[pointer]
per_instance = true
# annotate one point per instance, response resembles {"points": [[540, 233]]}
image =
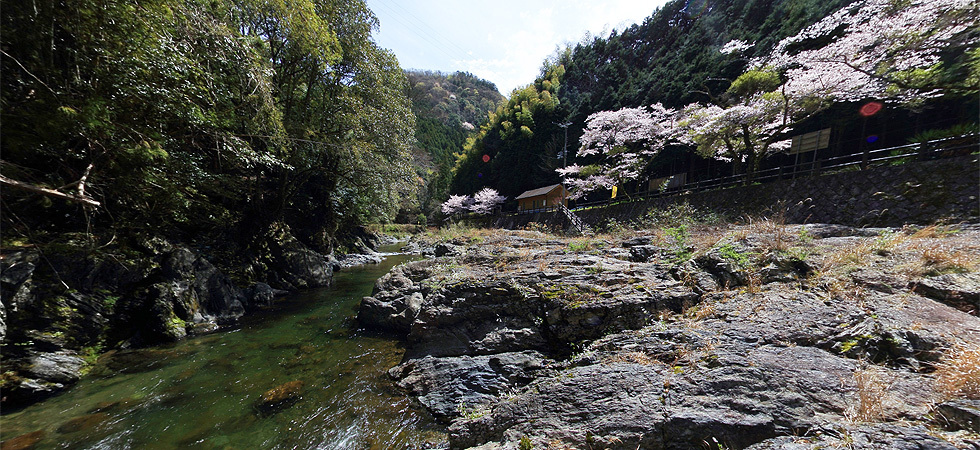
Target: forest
{"points": [[219, 122], [719, 88], [201, 121]]}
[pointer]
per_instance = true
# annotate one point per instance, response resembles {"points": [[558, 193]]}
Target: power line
{"points": [[435, 32], [434, 38]]}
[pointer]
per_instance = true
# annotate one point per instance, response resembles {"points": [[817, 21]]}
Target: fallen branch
{"points": [[51, 192]]}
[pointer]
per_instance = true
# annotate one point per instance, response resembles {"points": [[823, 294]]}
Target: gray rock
{"points": [[451, 387], [595, 318], [16, 270], [360, 259], [871, 437], [446, 249], [397, 298], [960, 415], [643, 253], [691, 275], [261, 295], [217, 297], [476, 318], [828, 230], [296, 266], [637, 241], [640, 354], [754, 397], [60, 367], [726, 273], [960, 290]]}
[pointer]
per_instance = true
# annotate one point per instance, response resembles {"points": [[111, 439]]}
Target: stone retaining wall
{"points": [[916, 192]]}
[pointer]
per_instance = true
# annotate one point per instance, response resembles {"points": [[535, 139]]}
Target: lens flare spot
{"points": [[871, 108]]}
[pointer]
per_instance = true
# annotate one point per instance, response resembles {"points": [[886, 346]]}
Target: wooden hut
{"points": [[542, 198]]}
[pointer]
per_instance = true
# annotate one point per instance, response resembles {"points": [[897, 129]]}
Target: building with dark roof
{"points": [[542, 198]]}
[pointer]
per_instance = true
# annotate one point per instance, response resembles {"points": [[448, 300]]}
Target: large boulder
{"points": [[397, 298]]}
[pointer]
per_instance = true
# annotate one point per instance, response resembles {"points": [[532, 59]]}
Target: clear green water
{"points": [[201, 392]]}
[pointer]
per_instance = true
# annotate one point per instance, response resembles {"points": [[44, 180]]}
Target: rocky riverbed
{"points": [[762, 336], [66, 302]]}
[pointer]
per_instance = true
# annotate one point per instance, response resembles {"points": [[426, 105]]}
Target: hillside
{"points": [[454, 99], [671, 95], [673, 57], [447, 108]]}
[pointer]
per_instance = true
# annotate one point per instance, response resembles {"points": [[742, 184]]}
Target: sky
{"points": [[502, 41]]}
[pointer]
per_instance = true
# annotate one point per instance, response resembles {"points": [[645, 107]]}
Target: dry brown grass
{"points": [[932, 231], [871, 390], [633, 358], [700, 312], [940, 258], [850, 256], [958, 374], [777, 237]]}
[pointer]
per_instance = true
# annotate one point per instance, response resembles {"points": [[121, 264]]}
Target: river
{"points": [[201, 392]]}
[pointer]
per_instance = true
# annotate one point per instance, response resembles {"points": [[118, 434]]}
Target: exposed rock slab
{"points": [[623, 344]]}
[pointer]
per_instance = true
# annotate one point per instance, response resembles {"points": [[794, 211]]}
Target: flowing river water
{"points": [[202, 392]]}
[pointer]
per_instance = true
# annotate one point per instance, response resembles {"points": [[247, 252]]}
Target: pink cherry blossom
{"points": [[874, 43], [627, 139], [486, 200], [456, 204]]}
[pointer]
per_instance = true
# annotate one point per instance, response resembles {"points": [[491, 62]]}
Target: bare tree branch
{"points": [[51, 192]]}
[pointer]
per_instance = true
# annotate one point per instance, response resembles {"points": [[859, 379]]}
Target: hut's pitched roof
{"points": [[538, 191]]}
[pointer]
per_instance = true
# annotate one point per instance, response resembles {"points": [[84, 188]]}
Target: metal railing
{"points": [[937, 149], [577, 222]]}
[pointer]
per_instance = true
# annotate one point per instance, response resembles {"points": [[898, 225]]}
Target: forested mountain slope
{"points": [[673, 56], [447, 107], [721, 63]]}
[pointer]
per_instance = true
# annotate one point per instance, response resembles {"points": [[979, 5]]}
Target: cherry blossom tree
{"points": [[486, 200], [885, 49], [751, 121], [456, 204], [735, 46], [894, 50], [627, 139]]}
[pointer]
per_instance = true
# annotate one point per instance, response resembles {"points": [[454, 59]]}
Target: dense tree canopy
{"points": [[193, 116], [518, 148], [909, 53]]}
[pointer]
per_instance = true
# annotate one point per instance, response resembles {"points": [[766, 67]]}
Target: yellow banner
{"points": [[614, 191]]}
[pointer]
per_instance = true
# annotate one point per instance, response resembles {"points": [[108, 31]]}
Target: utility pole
{"points": [[564, 150]]}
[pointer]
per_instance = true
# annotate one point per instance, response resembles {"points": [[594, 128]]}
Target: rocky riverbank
{"points": [[67, 302], [762, 336]]}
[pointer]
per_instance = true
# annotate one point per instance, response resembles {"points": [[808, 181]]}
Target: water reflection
{"points": [[206, 392]]}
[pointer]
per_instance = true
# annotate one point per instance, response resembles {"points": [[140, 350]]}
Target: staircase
{"points": [[576, 221]]}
